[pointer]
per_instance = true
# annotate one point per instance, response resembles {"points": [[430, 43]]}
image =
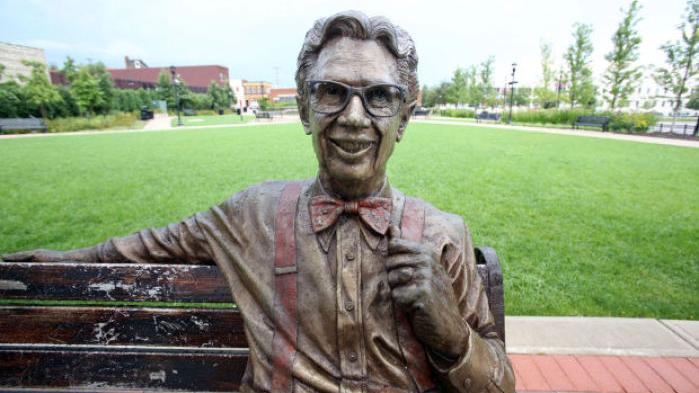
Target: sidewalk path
{"points": [[620, 355], [160, 121], [563, 131], [169, 129]]}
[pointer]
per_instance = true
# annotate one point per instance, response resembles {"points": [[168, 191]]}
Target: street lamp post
{"points": [[175, 81], [512, 91]]}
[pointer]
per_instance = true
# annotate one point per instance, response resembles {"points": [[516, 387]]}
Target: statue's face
{"points": [[353, 146]]}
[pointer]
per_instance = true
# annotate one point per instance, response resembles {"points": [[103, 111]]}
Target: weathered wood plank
{"points": [[121, 282], [100, 370], [121, 326]]}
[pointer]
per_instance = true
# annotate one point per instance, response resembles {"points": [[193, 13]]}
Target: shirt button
{"points": [[349, 306], [349, 256], [467, 383], [352, 356]]}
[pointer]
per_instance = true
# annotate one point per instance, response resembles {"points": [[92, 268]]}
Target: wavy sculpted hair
{"points": [[355, 24]]}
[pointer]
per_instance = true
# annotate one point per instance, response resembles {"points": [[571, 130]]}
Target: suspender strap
{"points": [[412, 224], [285, 291]]}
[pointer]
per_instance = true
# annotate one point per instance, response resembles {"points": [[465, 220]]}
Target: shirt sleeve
{"points": [[178, 242], [484, 366]]}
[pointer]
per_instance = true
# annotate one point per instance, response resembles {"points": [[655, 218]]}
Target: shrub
{"points": [[117, 120], [631, 122], [461, 113], [625, 122]]}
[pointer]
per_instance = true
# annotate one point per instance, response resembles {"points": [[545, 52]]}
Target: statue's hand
{"points": [[423, 289], [41, 256]]}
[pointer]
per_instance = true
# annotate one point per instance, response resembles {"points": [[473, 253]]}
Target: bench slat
{"points": [[122, 326], [120, 282], [119, 370]]}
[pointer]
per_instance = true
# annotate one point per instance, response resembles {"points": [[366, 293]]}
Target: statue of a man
{"points": [[344, 283]]}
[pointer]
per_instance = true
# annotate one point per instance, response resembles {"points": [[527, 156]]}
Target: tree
{"points": [[163, 88], [86, 90], [69, 69], [522, 96], [39, 92], [681, 57], [474, 94], [693, 102], [581, 90], [622, 76], [457, 92], [221, 97], [485, 82], [544, 94]]}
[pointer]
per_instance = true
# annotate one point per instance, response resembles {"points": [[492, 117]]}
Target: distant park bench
{"points": [[495, 117], [126, 346], [421, 112], [592, 121], [263, 115], [28, 124]]}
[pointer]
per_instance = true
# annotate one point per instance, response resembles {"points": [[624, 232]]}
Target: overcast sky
{"points": [[259, 40]]}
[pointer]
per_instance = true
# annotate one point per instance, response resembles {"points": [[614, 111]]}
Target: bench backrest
{"points": [[125, 333], [592, 119], [22, 124]]}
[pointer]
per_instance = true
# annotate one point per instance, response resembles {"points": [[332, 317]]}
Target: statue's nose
{"points": [[354, 114]]}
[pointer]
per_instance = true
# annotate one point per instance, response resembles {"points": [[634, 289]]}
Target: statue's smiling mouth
{"points": [[354, 147]]}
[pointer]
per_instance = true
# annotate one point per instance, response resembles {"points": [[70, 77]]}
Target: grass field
{"points": [[584, 226], [215, 120]]}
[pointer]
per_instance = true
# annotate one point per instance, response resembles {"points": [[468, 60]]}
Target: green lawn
{"points": [[215, 120], [583, 226]]}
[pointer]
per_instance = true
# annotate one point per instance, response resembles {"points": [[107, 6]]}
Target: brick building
{"points": [[138, 75], [283, 94]]}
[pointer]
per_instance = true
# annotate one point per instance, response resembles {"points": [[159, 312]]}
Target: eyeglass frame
{"points": [[359, 91]]}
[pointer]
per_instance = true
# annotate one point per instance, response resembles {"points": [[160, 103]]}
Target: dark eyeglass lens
{"points": [[383, 100], [327, 96]]}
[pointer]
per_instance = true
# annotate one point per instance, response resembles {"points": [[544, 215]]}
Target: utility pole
{"points": [[276, 76], [512, 91]]}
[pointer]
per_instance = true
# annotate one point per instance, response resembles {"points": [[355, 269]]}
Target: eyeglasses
{"points": [[380, 100]]}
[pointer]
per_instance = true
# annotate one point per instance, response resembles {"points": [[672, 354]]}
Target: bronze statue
{"points": [[345, 284]]}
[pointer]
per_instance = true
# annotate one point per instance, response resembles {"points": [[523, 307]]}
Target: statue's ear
{"points": [[303, 114], [405, 114]]}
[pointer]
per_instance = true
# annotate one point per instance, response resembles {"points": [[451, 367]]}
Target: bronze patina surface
{"points": [[344, 283]]}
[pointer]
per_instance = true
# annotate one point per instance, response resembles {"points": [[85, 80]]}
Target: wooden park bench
{"points": [[263, 115], [116, 339], [421, 112], [495, 117], [592, 121], [26, 124]]}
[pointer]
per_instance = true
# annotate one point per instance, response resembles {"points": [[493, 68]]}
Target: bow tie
{"points": [[374, 212]]}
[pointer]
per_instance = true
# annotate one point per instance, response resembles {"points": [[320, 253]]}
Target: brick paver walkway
{"points": [[616, 374]]}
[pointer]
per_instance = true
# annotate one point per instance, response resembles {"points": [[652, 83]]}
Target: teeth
{"points": [[353, 147]]}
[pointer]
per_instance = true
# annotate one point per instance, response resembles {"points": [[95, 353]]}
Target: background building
{"points": [[11, 57], [138, 75], [255, 90], [283, 94]]}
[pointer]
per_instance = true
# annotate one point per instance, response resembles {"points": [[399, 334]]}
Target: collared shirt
{"points": [[347, 339]]}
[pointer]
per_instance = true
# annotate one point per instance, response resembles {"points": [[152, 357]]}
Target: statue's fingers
{"points": [[400, 276], [405, 295], [397, 261], [402, 246]]}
